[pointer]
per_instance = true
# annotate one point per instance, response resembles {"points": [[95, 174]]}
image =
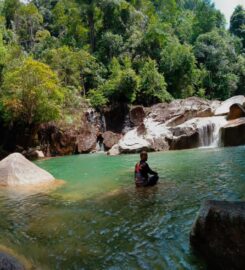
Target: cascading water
{"points": [[209, 131]]}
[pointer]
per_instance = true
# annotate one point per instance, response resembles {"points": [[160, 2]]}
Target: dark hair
{"points": [[143, 153]]}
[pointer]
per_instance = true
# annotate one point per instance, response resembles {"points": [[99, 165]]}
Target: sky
{"points": [[227, 6]]}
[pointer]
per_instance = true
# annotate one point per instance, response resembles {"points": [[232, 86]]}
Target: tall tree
{"points": [[237, 23]]}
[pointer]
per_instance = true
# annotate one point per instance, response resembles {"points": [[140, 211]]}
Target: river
{"points": [[99, 220]]}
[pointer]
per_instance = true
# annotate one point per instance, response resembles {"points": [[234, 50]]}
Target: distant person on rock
{"points": [[142, 171]]}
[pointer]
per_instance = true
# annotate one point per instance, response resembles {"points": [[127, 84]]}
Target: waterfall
{"points": [[206, 135], [209, 131], [100, 147]]}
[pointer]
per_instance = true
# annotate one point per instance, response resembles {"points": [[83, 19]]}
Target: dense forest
{"points": [[54, 54]]}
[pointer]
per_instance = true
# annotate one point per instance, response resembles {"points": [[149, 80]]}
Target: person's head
{"points": [[143, 156]]}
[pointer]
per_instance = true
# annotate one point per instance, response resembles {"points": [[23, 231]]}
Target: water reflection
{"points": [[99, 220]]}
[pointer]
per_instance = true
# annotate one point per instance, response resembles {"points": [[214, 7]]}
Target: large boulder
{"points": [[17, 170], [181, 110], [110, 138], [233, 133], [218, 234], [236, 111], [224, 108]]}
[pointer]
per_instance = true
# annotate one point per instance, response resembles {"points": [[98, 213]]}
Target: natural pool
{"points": [[98, 220]]}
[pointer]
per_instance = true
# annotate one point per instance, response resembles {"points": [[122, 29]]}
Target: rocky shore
{"points": [[181, 124]]}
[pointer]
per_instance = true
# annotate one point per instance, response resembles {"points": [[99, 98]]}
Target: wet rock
{"points": [[110, 138], [114, 151], [186, 141], [236, 111], [233, 133], [85, 141], [116, 117], [17, 170], [8, 262], [137, 115], [224, 108], [64, 139], [218, 234]]}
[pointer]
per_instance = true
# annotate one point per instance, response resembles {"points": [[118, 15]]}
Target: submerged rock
{"points": [[224, 108], [233, 133], [17, 170], [218, 234]]}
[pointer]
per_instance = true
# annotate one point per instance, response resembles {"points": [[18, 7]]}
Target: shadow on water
{"points": [[101, 221]]}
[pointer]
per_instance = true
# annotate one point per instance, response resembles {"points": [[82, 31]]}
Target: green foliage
{"points": [[31, 94], [152, 85], [237, 23], [178, 63], [97, 99], [134, 51], [123, 83], [216, 51]]}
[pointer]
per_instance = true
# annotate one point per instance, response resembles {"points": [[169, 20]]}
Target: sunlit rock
{"points": [[218, 234], [17, 170], [114, 151], [225, 106]]}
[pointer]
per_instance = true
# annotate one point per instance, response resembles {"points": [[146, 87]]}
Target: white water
{"points": [[210, 133]]}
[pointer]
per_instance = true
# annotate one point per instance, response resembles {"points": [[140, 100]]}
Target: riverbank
{"points": [[181, 124]]}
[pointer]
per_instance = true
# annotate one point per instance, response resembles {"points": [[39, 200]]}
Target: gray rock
{"points": [[17, 170], [218, 234]]}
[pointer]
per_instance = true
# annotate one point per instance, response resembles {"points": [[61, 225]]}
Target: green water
{"points": [[99, 220]]}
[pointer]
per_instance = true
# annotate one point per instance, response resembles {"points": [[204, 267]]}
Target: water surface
{"points": [[99, 220]]}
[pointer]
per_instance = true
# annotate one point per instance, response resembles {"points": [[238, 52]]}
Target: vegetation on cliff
{"points": [[53, 53]]}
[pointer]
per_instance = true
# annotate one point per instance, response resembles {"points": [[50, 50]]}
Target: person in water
{"points": [[142, 171]]}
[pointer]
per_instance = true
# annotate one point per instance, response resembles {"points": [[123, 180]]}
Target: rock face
{"points": [[233, 133], [225, 106], [110, 139], [236, 111], [17, 170], [218, 234], [137, 115], [8, 262], [77, 138]]}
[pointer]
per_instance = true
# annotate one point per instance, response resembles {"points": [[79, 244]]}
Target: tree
{"points": [[27, 21], [152, 85], [216, 51], [178, 63], [237, 23], [123, 83], [9, 9], [31, 94], [76, 69]]}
